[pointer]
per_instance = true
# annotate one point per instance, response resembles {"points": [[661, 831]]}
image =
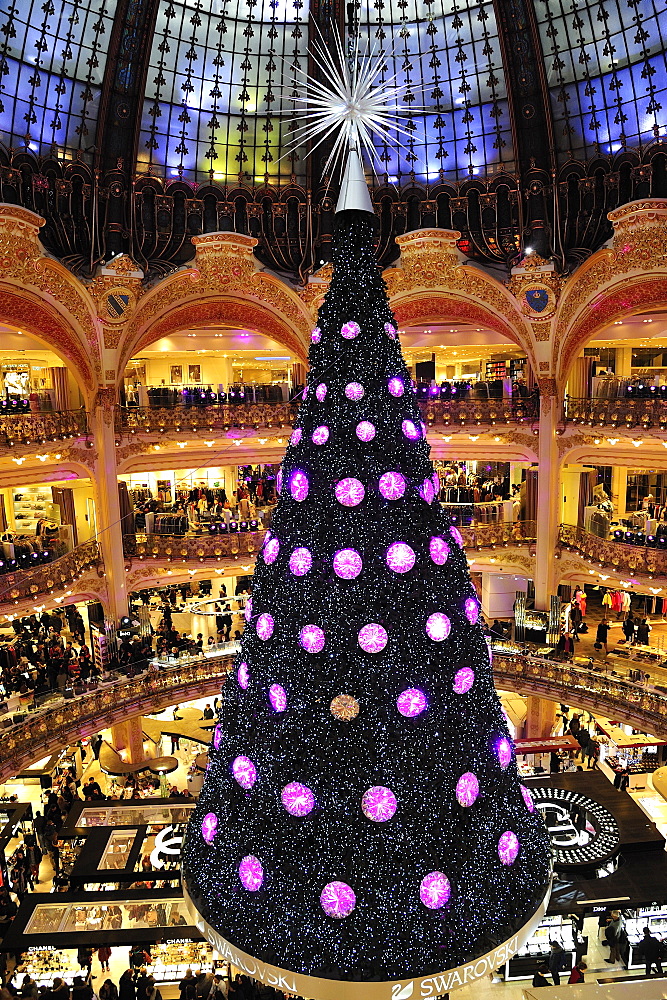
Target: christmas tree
{"points": [[362, 815]]}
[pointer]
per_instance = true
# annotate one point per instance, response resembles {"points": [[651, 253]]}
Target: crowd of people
{"points": [[38, 658]]}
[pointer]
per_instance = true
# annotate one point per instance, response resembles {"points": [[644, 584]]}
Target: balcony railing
{"points": [[641, 413], [479, 536], [188, 549], [479, 412], [56, 575], [18, 429], [616, 555]]}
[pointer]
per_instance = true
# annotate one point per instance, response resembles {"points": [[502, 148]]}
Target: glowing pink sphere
{"points": [[365, 431], [247, 612], [410, 430], [504, 751], [350, 492], [245, 772], [300, 562], [243, 676], [350, 330], [438, 626], [372, 638], [312, 638], [337, 900], [471, 609], [316, 335], [463, 680], [271, 550], [456, 535], [354, 391], [295, 436], [435, 890], [392, 485], [467, 789], [279, 481], [508, 848], [379, 804], [264, 626], [426, 491], [278, 698], [320, 435], [321, 391], [347, 564], [298, 485], [411, 702], [400, 557], [251, 873], [439, 550], [527, 798], [217, 737], [297, 799], [396, 387], [390, 330], [209, 827]]}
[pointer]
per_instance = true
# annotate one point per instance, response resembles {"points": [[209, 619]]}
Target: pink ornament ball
{"points": [[279, 481], [378, 804], [312, 638], [300, 562], [396, 387], [320, 435], [400, 557], [347, 564], [350, 492], [392, 485], [439, 550], [350, 330], [504, 751], [251, 873], [365, 431], [247, 611], [410, 430], [471, 609], [456, 535], [463, 680], [264, 627], [372, 638], [209, 827], [411, 703], [243, 676], [295, 436], [438, 626], [467, 789], [527, 798], [337, 900], [217, 737], [298, 485], [354, 391], [508, 848], [390, 330], [271, 550], [426, 491], [278, 698], [435, 890], [316, 335], [244, 772], [297, 799], [321, 391]]}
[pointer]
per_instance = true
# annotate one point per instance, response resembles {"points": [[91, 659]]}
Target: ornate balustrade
{"points": [[56, 575], [20, 429], [643, 413], [617, 555], [54, 728], [479, 536], [478, 412], [189, 549]]}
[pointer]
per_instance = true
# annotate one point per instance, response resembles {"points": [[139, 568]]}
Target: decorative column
{"points": [[129, 736], [619, 489], [540, 717], [548, 496]]}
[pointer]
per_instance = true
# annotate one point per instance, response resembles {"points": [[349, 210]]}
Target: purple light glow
{"points": [[297, 799], [296, 436], [350, 492], [438, 626], [278, 698], [271, 550], [264, 626], [439, 550], [298, 485], [392, 485], [426, 491], [372, 638], [527, 798], [411, 702], [508, 848], [410, 430], [217, 737], [321, 391], [247, 612], [504, 751], [354, 391], [337, 900], [312, 638], [396, 387], [435, 479], [347, 564], [320, 435], [279, 481], [435, 890], [243, 676], [365, 431], [463, 680], [467, 789], [209, 827], [471, 609], [316, 335], [300, 562], [251, 873], [350, 330], [379, 804], [400, 557], [456, 535], [244, 772], [390, 330]]}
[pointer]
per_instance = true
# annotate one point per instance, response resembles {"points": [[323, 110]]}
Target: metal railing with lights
{"points": [[174, 548], [482, 536], [53, 576], [20, 429], [631, 413], [617, 554]]}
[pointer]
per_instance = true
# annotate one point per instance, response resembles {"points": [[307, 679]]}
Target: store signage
{"points": [[127, 627], [166, 844], [582, 831]]}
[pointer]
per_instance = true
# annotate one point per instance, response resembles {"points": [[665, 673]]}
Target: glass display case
{"points": [[119, 814], [556, 927], [68, 918], [171, 959], [43, 964], [653, 917]]}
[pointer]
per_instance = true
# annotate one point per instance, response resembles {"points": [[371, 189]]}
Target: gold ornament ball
{"points": [[344, 706]]}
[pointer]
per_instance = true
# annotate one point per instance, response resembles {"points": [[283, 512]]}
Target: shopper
{"points": [[577, 974], [104, 954], [643, 630], [649, 949], [81, 989], [540, 977], [592, 754], [629, 627], [625, 780], [126, 987], [59, 989], [188, 986], [208, 713], [108, 990], [557, 961], [614, 934], [601, 635]]}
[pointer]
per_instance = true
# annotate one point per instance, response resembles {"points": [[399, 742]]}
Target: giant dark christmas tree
{"points": [[362, 816]]}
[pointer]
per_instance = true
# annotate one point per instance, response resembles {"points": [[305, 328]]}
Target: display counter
{"points": [[653, 917], [536, 949], [130, 813]]}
